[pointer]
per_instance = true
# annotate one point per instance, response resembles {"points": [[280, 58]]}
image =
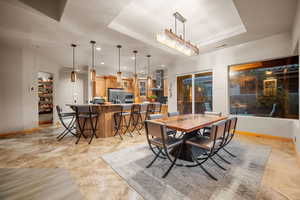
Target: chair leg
{"points": [[173, 163], [127, 124], [81, 129], [220, 166], [61, 135], [231, 154], [208, 173], [93, 130], [223, 159], [157, 155]]}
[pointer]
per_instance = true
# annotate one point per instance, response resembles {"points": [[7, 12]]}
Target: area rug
{"points": [[36, 184], [241, 180]]}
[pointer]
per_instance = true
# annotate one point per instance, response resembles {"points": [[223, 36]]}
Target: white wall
{"points": [[218, 61], [10, 89], [19, 72], [296, 48]]}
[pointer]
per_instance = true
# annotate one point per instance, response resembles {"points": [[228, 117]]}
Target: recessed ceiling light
{"points": [[162, 65], [132, 58], [98, 48], [102, 63]]}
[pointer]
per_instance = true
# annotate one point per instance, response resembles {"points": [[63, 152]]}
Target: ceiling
{"points": [[134, 24]]}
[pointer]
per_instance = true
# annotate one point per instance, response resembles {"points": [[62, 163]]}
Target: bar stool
{"points": [[156, 108], [68, 126], [86, 113], [134, 119], [121, 121]]}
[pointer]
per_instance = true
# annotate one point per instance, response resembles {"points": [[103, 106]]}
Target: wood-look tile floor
{"points": [[96, 180]]}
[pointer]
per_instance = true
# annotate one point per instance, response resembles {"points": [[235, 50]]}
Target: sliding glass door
{"points": [[194, 93], [203, 92], [184, 94]]}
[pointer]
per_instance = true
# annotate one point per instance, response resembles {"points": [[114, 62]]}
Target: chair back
{"points": [[155, 116], [157, 107], [83, 109], [126, 107], [156, 129], [213, 113], [218, 132], [144, 107], [232, 125], [136, 108], [172, 114], [59, 110]]}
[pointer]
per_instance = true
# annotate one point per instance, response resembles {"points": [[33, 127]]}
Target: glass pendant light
{"points": [[93, 70], [119, 73], [73, 73], [149, 79], [135, 78]]}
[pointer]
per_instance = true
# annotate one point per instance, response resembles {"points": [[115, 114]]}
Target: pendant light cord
{"points": [[135, 52], [119, 59], [73, 57], [148, 64]]}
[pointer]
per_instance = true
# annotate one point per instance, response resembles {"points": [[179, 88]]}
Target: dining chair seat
{"points": [[169, 142], [202, 142]]}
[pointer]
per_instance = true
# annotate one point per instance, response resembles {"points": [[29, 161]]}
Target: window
{"points": [[203, 92], [194, 93], [267, 88], [184, 94]]}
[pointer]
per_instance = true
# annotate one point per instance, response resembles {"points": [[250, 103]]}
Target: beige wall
{"points": [[19, 70]]}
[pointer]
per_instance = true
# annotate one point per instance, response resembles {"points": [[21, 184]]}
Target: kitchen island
{"points": [[105, 126]]}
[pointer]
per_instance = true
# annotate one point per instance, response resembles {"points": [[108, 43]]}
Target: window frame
{"points": [[254, 61]]}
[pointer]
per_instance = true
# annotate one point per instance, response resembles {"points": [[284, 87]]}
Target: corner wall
{"points": [[218, 61]]}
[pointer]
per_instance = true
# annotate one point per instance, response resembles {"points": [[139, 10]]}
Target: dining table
{"points": [[189, 125]]}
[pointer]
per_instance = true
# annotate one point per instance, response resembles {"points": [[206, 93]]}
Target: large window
{"points": [[194, 93], [267, 88]]}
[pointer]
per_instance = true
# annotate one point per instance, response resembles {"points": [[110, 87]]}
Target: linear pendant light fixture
{"points": [[93, 70], [178, 42], [73, 73], [119, 73]]}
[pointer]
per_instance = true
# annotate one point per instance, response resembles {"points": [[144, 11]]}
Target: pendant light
{"points": [[93, 70], [149, 79], [135, 78], [73, 73], [119, 73]]}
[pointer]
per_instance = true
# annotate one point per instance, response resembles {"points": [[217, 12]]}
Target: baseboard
{"points": [[264, 136], [27, 131], [296, 153]]}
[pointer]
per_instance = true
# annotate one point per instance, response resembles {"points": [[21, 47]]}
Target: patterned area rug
{"points": [[36, 184], [241, 180]]}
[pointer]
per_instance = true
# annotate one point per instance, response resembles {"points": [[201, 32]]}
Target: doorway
{"points": [[194, 92], [45, 93]]}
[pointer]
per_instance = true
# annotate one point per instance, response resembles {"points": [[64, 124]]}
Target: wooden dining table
{"points": [[188, 124]]}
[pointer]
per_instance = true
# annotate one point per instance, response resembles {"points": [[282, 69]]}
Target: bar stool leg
{"points": [[81, 129]]}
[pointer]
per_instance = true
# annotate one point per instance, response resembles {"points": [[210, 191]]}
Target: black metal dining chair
{"points": [[231, 132], [86, 113], [121, 121], [208, 147], [206, 130], [68, 126], [158, 138]]}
